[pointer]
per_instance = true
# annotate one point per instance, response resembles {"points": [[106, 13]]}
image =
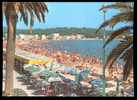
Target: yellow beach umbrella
{"points": [[40, 61]]}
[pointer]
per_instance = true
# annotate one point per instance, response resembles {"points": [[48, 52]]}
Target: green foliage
{"points": [[124, 50], [87, 32]]}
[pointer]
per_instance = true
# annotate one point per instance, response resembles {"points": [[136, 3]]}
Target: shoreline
{"points": [[68, 59], [82, 39]]}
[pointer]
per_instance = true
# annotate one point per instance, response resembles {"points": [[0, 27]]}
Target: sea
{"points": [[83, 47]]}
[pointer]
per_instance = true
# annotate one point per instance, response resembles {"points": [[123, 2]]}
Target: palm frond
{"points": [[44, 7], [117, 33], [117, 6], [31, 20], [33, 8], [36, 10], [122, 17], [23, 12], [128, 58], [29, 9], [116, 53]]}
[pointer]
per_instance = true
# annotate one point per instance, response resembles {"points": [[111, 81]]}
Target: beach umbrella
{"points": [[82, 75], [47, 74], [70, 70], [32, 68], [98, 85]]}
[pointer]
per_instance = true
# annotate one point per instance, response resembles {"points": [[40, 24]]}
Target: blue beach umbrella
{"points": [[70, 70], [82, 75]]}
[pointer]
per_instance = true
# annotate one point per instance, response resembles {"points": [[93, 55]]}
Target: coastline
{"points": [[82, 39]]}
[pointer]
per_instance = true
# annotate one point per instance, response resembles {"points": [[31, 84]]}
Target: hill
{"points": [[62, 30]]}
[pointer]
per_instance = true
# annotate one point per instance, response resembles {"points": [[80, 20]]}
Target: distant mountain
{"points": [[88, 32], [62, 30]]}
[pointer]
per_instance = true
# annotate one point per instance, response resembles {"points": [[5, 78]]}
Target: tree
{"points": [[11, 11], [124, 50]]}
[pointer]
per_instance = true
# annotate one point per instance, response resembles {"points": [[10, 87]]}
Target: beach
{"points": [[73, 60]]}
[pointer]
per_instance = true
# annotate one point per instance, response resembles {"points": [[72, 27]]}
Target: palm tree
{"points": [[11, 11], [124, 50]]}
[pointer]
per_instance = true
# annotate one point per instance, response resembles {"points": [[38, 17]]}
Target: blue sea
{"points": [[83, 47]]}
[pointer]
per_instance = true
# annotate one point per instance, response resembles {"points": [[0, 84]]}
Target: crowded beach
{"points": [[73, 60]]}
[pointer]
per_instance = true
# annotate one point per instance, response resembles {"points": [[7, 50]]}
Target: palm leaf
{"points": [[24, 8], [128, 58], [128, 39], [37, 12], [122, 17], [44, 7], [117, 33], [116, 53], [29, 8], [33, 8], [24, 14], [32, 20], [25, 18], [41, 9], [117, 6]]}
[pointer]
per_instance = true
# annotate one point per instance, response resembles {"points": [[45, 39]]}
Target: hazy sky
{"points": [[71, 14]]}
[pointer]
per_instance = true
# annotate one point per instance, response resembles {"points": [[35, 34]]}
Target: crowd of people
{"points": [[69, 59]]}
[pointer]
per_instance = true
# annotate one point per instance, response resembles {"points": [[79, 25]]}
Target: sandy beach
{"points": [[72, 60]]}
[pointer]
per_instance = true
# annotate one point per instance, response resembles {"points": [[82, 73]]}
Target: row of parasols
{"points": [[56, 74]]}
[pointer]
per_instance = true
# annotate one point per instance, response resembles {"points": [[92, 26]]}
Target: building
{"points": [[26, 36], [79, 36], [37, 37], [43, 37], [56, 36]]}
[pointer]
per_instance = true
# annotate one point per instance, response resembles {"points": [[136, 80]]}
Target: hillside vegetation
{"points": [[87, 32]]}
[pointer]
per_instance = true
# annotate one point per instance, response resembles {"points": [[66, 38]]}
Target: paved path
{"points": [[18, 84]]}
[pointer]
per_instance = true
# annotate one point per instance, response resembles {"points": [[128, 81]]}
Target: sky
{"points": [[71, 14]]}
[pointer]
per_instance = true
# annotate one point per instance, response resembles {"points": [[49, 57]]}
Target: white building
{"points": [[37, 37], [43, 37], [26, 36], [79, 36], [56, 36]]}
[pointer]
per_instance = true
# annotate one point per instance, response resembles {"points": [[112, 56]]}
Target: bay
{"points": [[83, 47]]}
